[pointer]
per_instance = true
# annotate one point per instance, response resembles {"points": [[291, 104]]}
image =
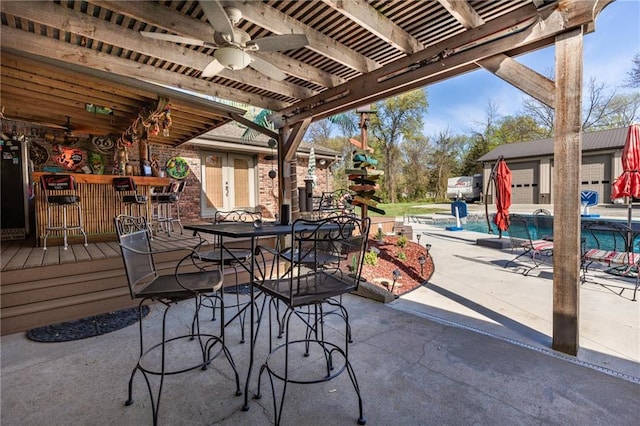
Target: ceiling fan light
{"points": [[232, 58]]}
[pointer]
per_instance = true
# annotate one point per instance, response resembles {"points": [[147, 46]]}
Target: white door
{"points": [[228, 182]]}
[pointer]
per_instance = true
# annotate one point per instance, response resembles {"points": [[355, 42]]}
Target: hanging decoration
{"points": [[177, 168], [272, 144]]}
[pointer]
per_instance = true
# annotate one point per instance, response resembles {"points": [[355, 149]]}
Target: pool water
{"points": [[607, 241]]}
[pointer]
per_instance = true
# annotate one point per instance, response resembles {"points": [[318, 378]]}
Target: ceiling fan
{"points": [[232, 45]]}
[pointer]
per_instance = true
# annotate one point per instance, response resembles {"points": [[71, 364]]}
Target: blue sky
{"points": [[460, 104]]}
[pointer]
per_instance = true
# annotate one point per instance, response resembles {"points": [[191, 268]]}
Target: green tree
{"points": [[415, 179], [496, 131], [443, 153], [395, 119]]}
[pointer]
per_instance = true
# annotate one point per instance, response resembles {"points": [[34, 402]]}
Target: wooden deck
{"points": [[23, 254], [39, 287]]}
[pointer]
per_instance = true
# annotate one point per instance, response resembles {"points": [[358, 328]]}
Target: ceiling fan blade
{"points": [[267, 68], [174, 38], [213, 68], [217, 16], [279, 42]]}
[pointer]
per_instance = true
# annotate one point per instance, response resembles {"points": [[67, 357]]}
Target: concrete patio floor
{"points": [[471, 346]]}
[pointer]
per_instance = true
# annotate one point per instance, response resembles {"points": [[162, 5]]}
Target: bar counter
{"points": [[99, 203]]}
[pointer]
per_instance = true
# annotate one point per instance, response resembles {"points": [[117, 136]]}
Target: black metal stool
{"points": [[60, 191], [163, 204], [127, 192]]}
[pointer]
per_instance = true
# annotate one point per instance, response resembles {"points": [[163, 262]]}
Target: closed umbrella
{"points": [[628, 183], [503, 195], [311, 170]]}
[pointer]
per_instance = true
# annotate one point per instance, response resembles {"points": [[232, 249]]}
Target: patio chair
{"points": [[335, 201], [520, 235], [236, 258], [610, 244], [326, 262], [543, 225], [146, 284]]}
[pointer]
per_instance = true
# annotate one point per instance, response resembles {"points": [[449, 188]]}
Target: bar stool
{"points": [[163, 205], [60, 191], [127, 193]]}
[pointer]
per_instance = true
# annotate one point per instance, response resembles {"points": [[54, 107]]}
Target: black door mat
{"points": [[86, 327]]}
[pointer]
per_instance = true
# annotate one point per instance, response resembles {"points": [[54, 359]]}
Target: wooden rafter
{"points": [[367, 17], [262, 14], [463, 12]]}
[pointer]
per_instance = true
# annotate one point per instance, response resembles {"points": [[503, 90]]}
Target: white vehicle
{"points": [[468, 188]]}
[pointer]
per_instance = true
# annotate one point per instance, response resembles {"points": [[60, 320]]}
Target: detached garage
{"points": [[531, 165], [524, 182]]}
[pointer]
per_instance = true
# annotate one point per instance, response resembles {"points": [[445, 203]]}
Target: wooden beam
{"points": [[524, 78], [55, 16], [23, 41], [265, 16], [529, 81], [567, 155], [295, 137], [433, 64], [258, 128], [373, 21], [463, 12]]}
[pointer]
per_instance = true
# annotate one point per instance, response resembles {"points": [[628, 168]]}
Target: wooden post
{"points": [[567, 156]]}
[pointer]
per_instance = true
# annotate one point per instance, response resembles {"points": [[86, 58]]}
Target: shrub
{"points": [[371, 258], [402, 255], [402, 241]]}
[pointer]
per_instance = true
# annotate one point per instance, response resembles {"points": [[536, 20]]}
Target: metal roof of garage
{"points": [[591, 141]]}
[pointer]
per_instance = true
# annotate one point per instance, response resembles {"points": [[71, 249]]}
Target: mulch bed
{"points": [[390, 259]]}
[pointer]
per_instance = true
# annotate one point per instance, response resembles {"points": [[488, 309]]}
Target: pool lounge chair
{"points": [[539, 250], [610, 244]]}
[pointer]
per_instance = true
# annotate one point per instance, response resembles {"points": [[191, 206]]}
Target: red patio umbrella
{"points": [[503, 195], [628, 184]]}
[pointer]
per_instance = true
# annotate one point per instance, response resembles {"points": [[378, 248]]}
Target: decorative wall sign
{"points": [[69, 158], [96, 162], [177, 168], [38, 153], [103, 144]]}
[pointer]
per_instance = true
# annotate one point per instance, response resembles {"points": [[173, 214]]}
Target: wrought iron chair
{"points": [[339, 200], [146, 284], [236, 258], [326, 262], [60, 192], [520, 235]]}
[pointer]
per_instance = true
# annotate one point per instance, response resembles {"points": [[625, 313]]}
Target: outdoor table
{"points": [[244, 230]]}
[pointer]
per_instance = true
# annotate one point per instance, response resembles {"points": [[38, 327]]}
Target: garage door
{"points": [[596, 175], [524, 183]]}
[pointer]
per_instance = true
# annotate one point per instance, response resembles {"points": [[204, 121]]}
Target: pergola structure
{"points": [[358, 52]]}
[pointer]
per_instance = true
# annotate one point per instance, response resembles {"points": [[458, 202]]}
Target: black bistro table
{"points": [[253, 232]]}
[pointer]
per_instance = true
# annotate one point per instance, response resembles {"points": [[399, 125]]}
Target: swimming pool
{"points": [[541, 227]]}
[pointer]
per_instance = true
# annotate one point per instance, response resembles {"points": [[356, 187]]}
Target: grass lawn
{"points": [[402, 209]]}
